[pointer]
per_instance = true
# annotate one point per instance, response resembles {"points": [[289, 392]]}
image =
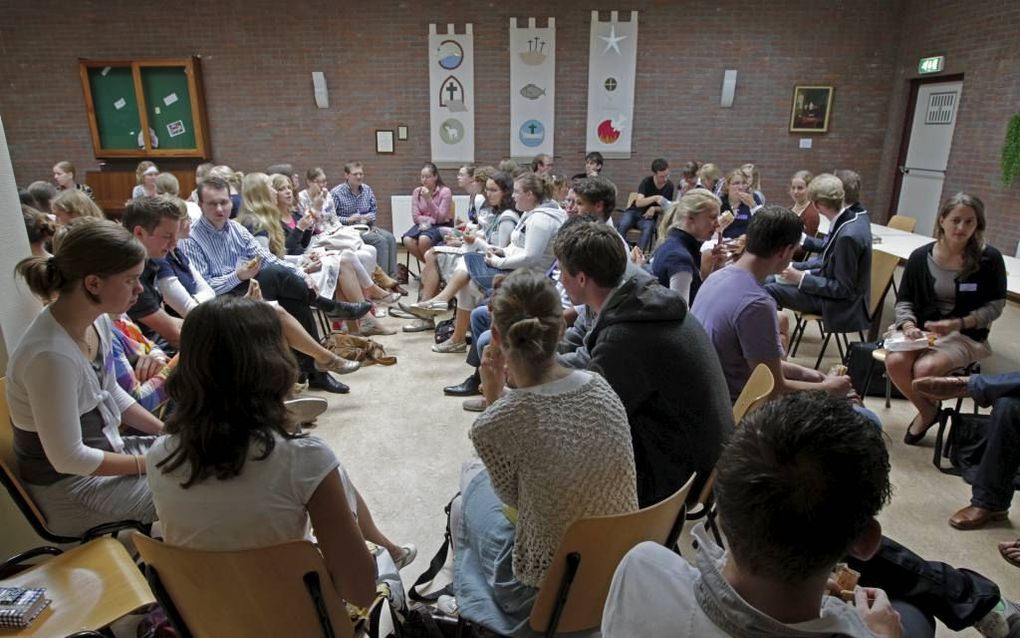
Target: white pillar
{"points": [[17, 309]]}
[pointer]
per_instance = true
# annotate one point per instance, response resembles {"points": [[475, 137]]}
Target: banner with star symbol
{"points": [[612, 68]]}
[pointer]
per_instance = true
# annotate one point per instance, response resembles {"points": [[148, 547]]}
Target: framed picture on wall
{"points": [[384, 141], [402, 132], [812, 106]]}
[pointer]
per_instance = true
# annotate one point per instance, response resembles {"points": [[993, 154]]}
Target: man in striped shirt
{"points": [[227, 256]]}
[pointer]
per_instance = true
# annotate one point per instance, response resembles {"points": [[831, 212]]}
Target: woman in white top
{"points": [[66, 405], [233, 474]]}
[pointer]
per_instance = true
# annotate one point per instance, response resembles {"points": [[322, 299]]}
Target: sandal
{"points": [[913, 439], [1006, 548]]}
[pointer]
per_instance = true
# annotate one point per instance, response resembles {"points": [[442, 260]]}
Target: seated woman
{"points": [[738, 200], [145, 179], [710, 178], [554, 449], [469, 184], [183, 288], [954, 287], [141, 367], [430, 210], [66, 406], [753, 177], [72, 204], [804, 207], [66, 178], [231, 473], [40, 230], [496, 221], [679, 263], [316, 198]]}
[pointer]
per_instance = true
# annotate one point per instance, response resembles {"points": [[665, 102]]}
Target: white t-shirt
{"points": [[264, 505]]}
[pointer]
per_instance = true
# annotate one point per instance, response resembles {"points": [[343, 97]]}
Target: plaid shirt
{"points": [[348, 204]]}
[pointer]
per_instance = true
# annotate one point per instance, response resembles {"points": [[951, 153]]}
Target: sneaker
{"points": [[338, 365], [407, 556], [428, 308], [449, 347], [475, 405], [370, 327], [420, 325]]}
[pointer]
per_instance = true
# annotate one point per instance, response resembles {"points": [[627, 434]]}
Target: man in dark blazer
{"points": [[836, 284]]}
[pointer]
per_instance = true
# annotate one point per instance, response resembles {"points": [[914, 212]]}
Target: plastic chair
{"points": [[280, 590], [91, 586], [24, 501], [756, 392], [575, 587], [883, 266]]}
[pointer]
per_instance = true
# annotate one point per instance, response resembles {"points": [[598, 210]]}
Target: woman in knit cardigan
{"points": [[555, 448]]}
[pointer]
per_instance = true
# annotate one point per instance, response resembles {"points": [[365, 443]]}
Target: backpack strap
{"points": [[436, 564]]}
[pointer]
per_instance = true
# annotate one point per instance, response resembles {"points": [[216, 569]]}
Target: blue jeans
{"points": [[481, 321], [993, 484], [634, 218]]}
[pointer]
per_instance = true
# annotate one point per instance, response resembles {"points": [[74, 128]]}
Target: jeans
{"points": [[283, 285], [481, 321], [385, 245], [957, 597], [634, 218], [993, 485]]}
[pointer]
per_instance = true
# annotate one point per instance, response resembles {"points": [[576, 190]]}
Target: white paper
{"points": [[170, 99], [106, 69], [805, 142], [119, 104], [174, 129], [157, 110]]}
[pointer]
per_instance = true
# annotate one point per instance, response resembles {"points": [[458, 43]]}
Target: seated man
{"points": [[227, 257], [654, 194], [785, 539], [655, 356], [835, 284], [993, 481], [740, 317], [356, 204]]}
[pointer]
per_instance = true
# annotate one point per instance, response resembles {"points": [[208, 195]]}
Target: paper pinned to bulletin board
{"points": [[612, 67], [452, 95], [532, 88]]}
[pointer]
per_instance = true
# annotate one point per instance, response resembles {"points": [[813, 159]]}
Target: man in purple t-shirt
{"points": [[741, 319]]}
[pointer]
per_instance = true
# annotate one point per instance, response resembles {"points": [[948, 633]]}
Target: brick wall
{"points": [[979, 40], [257, 57]]}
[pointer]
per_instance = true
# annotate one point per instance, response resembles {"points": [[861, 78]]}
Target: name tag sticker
{"points": [[968, 287]]}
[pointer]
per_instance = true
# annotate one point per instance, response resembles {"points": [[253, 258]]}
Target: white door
{"points": [[931, 137]]}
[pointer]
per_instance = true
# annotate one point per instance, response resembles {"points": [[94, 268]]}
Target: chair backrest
{"points": [[756, 392], [883, 267], [254, 592], [631, 199], [9, 476], [902, 222], [601, 543]]}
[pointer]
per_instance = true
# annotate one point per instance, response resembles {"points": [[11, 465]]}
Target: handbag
{"points": [[962, 440], [867, 375], [360, 349]]}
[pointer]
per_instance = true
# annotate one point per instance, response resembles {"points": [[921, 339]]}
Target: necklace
{"points": [[89, 345]]}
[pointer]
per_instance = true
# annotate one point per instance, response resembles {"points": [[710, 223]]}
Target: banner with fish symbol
{"points": [[612, 65], [532, 88], [452, 96]]}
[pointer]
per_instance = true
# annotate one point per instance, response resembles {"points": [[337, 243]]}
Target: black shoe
{"points": [[324, 381], [346, 310], [470, 387]]}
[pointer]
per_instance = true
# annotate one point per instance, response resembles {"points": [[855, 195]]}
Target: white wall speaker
{"points": [[319, 87], [729, 85]]}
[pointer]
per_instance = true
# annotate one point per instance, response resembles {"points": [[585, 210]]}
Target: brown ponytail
{"points": [[527, 312]]}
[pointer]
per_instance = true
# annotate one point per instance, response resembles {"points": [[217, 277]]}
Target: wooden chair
{"points": [[280, 590], [907, 225], [575, 587], [883, 266], [91, 586], [23, 500], [756, 392]]}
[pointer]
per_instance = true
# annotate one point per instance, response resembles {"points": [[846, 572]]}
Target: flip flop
{"points": [[1006, 549]]}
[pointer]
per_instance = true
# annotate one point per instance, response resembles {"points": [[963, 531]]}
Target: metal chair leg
{"points": [[825, 345]]}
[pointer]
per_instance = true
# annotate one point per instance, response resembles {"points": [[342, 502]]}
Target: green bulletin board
{"points": [[168, 106], [113, 94]]}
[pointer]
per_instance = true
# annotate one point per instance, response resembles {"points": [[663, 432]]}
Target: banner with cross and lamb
{"points": [[452, 95], [532, 88]]}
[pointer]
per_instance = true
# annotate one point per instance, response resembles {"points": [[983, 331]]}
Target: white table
{"points": [[900, 244]]}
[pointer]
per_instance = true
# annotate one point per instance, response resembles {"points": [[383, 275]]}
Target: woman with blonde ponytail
{"points": [[553, 449], [66, 405]]}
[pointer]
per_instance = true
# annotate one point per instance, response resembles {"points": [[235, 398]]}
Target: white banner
{"points": [[532, 88], [612, 65], [452, 96]]}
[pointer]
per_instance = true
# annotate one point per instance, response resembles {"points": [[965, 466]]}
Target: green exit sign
{"points": [[931, 65]]}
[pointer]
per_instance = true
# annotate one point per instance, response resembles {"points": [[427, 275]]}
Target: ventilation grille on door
{"points": [[941, 108]]}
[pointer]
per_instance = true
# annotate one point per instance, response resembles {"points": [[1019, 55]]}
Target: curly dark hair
{"points": [[799, 482], [228, 389]]}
